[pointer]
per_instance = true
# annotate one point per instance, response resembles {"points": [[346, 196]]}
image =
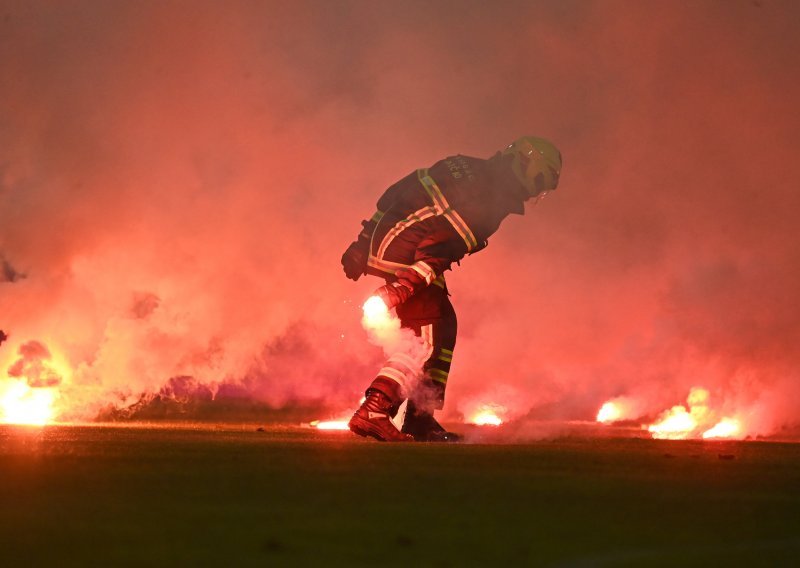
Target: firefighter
{"points": [[424, 223]]}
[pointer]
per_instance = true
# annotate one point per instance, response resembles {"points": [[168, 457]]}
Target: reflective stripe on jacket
{"points": [[433, 217]]}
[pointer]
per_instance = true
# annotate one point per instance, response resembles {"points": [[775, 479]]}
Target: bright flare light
{"points": [[330, 424], [677, 424], [689, 421], [375, 311], [486, 418], [726, 428], [609, 412], [21, 404]]}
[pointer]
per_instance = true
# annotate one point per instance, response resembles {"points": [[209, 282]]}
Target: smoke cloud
{"points": [[179, 179]]}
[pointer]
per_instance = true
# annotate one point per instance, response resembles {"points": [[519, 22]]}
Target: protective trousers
{"points": [[420, 372]]}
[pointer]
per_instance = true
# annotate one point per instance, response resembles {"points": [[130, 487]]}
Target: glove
{"points": [[354, 259], [394, 294]]}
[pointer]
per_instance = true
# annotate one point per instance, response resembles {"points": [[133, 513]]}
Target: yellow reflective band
{"points": [[446, 358], [385, 265], [390, 267], [447, 351], [424, 270], [377, 216], [426, 333], [443, 208], [438, 375], [461, 227], [416, 217], [429, 184]]}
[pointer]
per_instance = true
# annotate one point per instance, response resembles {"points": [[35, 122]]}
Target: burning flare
{"points": [[21, 404], [726, 428], [375, 309], [675, 424], [681, 422], [487, 415], [330, 424], [619, 408], [609, 412], [380, 323], [29, 394], [692, 420], [383, 327], [340, 424], [486, 418]]}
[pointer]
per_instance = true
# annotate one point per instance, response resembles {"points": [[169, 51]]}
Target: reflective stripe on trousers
{"points": [[422, 374]]}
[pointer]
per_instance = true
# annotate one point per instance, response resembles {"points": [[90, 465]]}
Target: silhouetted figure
{"points": [[424, 223]]}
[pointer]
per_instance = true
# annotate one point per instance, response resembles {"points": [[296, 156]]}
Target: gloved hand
{"points": [[394, 294], [354, 259]]}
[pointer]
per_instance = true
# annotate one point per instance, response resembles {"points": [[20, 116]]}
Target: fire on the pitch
{"points": [[698, 418], [31, 389]]}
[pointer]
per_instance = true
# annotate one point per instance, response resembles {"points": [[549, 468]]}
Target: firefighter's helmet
{"points": [[536, 163]]}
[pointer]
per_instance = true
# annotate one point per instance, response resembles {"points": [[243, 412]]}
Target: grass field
{"points": [[234, 496]]}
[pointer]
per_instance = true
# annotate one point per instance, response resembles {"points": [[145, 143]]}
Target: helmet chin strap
{"points": [[537, 198]]}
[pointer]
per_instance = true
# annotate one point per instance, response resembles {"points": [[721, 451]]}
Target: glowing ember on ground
{"points": [[330, 424], [726, 428], [21, 404], [609, 412], [676, 424], [486, 418]]}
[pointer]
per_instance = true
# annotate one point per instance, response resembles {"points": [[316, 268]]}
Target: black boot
{"points": [[424, 428], [374, 419]]}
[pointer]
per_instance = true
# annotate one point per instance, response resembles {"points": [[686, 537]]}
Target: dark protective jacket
{"points": [[434, 216]]}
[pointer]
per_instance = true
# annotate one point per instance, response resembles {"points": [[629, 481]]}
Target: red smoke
{"points": [[178, 182]]}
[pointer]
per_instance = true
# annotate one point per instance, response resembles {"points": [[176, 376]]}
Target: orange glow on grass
{"points": [[725, 428], [21, 404]]}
